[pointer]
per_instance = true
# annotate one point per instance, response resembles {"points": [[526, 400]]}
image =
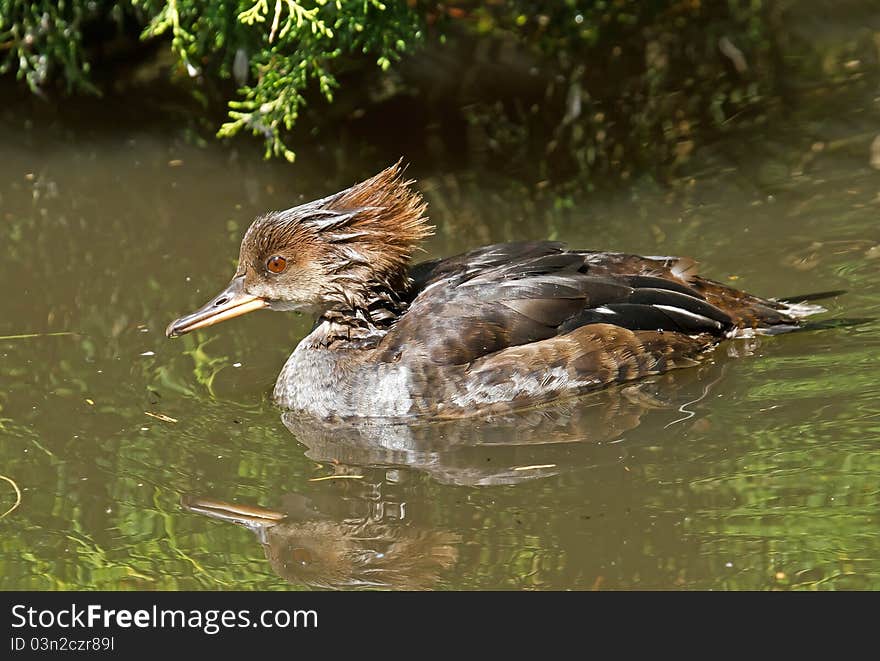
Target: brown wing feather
{"points": [[509, 295], [746, 310]]}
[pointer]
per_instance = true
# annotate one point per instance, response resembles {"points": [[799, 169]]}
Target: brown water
{"points": [[758, 470]]}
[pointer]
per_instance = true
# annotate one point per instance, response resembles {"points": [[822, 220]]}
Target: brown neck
{"points": [[363, 319]]}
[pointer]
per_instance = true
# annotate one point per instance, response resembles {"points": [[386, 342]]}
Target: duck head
{"points": [[323, 255]]}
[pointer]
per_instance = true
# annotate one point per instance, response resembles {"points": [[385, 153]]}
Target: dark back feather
{"points": [[506, 295]]}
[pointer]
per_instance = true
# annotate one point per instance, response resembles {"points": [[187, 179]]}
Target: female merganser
{"points": [[500, 327]]}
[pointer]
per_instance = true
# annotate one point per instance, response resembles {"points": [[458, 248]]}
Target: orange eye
{"points": [[276, 264]]}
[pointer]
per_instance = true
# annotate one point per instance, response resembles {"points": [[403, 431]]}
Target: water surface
{"points": [[145, 463]]}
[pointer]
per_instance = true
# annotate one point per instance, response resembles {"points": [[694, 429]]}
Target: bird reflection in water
{"points": [[350, 534], [362, 528], [521, 445]]}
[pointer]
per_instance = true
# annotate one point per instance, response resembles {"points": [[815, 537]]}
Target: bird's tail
{"points": [[802, 305]]}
